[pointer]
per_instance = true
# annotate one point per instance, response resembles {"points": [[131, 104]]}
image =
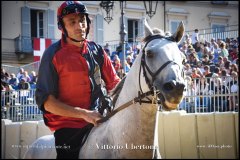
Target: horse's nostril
{"points": [[180, 86], [168, 86], [173, 85]]}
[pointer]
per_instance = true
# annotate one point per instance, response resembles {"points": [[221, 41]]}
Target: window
{"points": [[218, 31], [37, 23], [132, 30], [216, 28], [174, 25]]}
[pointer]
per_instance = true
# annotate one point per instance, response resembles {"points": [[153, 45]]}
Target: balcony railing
{"points": [[217, 33]]}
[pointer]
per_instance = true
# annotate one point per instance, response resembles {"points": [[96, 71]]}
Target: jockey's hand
{"points": [[92, 117]]}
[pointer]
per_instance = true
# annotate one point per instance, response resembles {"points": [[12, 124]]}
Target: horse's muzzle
{"points": [[174, 87]]}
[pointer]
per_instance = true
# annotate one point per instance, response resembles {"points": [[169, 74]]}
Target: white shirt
{"points": [[194, 37]]}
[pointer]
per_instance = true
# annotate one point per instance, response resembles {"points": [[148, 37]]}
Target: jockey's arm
{"points": [[55, 106]]}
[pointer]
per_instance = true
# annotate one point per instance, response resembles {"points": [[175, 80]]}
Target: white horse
{"points": [[130, 132]]}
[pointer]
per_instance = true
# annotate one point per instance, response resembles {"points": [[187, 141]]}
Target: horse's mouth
{"points": [[169, 105]]}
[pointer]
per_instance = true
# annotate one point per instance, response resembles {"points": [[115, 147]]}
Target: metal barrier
{"points": [[20, 105], [212, 94]]}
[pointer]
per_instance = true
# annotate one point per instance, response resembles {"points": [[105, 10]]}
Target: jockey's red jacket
{"points": [[64, 73]]}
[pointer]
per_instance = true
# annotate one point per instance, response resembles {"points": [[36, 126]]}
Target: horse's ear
{"points": [[179, 33], [148, 30]]}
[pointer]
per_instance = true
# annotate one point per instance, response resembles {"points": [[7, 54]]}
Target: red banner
{"points": [[39, 46]]}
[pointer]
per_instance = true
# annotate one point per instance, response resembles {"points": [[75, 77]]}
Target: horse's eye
{"points": [[149, 54]]}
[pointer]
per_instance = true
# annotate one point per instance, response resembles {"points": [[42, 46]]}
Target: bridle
{"points": [[152, 91], [146, 68]]}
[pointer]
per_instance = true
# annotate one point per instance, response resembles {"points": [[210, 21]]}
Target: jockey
{"points": [[68, 75]]}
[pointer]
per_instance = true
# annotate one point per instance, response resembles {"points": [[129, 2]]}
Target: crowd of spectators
{"points": [[16, 89], [117, 56], [215, 63], [210, 68], [22, 80]]}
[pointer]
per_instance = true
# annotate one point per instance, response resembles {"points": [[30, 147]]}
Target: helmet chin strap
{"points": [[74, 40]]}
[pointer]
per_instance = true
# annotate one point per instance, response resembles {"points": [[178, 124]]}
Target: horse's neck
{"points": [[141, 118], [131, 86]]}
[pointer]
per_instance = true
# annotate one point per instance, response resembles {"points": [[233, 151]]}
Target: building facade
{"points": [[24, 20]]}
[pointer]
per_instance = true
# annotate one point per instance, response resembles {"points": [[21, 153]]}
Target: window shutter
{"points": [[51, 26], [99, 29], [26, 42]]}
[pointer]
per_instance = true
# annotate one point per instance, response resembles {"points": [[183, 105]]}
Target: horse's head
{"points": [[162, 63]]}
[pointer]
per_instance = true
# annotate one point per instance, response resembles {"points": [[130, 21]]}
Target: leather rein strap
{"points": [[141, 95], [125, 105]]}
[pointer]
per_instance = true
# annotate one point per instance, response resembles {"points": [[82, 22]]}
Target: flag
{"points": [[39, 46]]}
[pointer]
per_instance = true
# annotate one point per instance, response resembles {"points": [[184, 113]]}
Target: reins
{"points": [[152, 91], [125, 105]]}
